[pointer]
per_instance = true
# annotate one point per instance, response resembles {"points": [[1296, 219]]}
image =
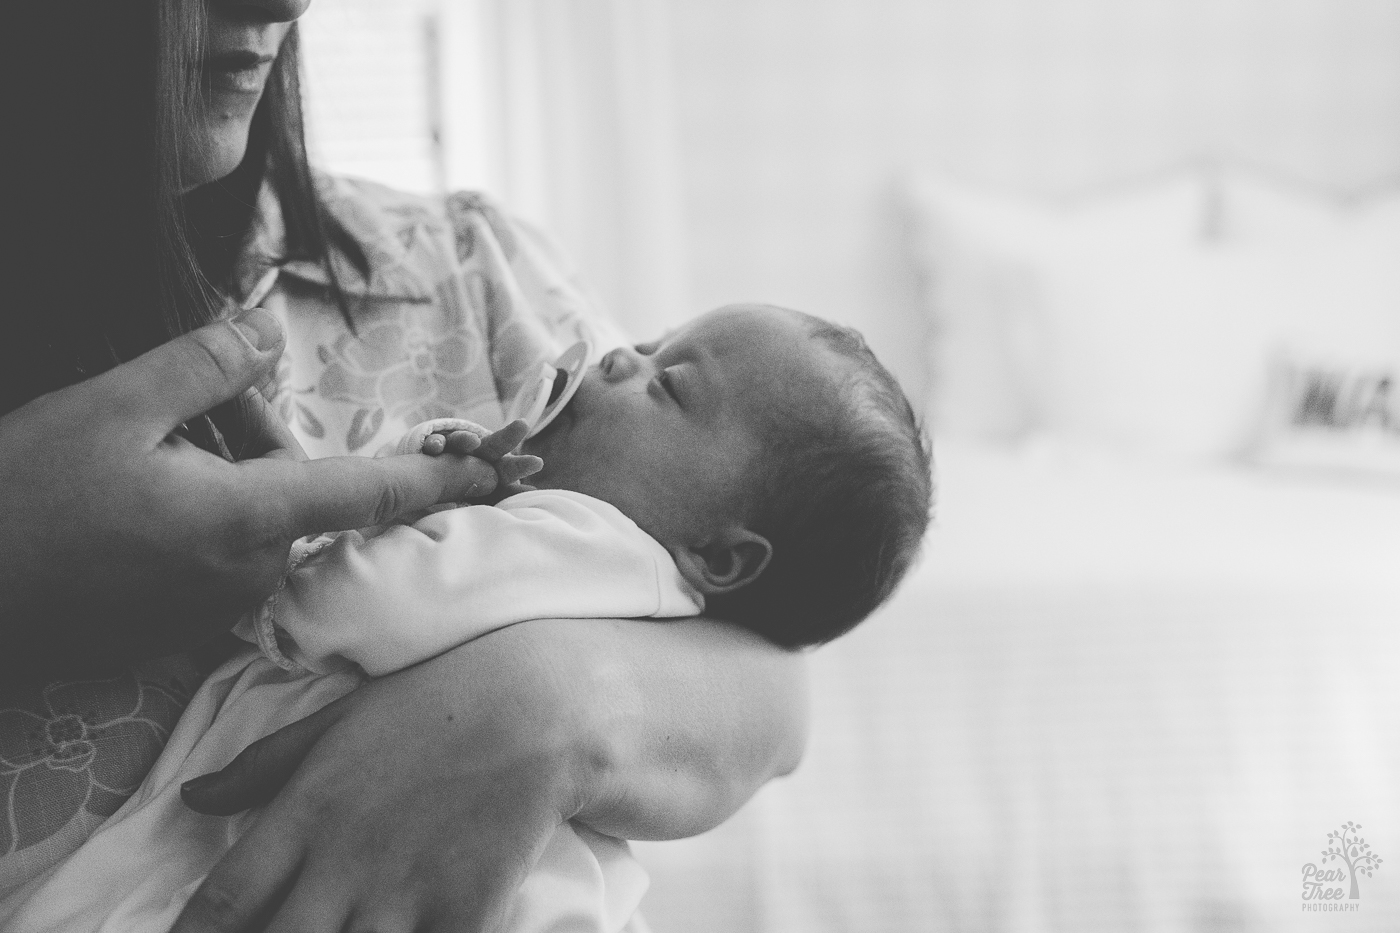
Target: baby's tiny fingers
{"points": [[462, 442], [514, 467], [434, 444], [502, 442]]}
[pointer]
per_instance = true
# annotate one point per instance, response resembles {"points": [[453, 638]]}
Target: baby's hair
{"points": [[844, 500]]}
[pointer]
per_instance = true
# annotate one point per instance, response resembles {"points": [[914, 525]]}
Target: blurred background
{"points": [[1138, 262], [693, 153]]}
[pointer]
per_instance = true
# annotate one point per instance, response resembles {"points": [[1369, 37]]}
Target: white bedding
{"points": [[1113, 697]]}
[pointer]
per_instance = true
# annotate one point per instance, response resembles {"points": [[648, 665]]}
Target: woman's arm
{"points": [[704, 715], [426, 796]]}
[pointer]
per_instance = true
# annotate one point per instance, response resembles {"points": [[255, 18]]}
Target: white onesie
{"points": [[374, 602]]}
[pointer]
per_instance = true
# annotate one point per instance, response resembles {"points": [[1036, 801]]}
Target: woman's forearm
{"points": [[682, 721], [463, 766]]}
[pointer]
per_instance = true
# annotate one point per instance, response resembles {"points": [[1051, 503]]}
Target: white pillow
{"points": [[995, 267], [1332, 266], [1119, 321], [1334, 382], [1257, 208], [1334, 417]]}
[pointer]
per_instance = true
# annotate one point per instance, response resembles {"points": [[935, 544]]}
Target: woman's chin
{"points": [[225, 144]]}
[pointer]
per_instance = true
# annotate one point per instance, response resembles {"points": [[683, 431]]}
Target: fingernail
{"points": [[259, 327], [196, 783]]}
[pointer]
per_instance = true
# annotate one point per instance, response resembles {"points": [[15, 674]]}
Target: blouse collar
{"points": [[397, 270]]}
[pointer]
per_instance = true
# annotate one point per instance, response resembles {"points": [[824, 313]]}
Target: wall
{"points": [[365, 85], [563, 109], [753, 153], [796, 116]]}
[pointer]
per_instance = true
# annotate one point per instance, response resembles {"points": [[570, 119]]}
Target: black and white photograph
{"points": [[700, 466]]}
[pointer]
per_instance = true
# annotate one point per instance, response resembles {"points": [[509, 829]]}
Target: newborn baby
{"points": [[770, 454], [758, 465]]}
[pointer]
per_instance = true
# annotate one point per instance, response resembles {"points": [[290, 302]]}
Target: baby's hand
{"points": [[499, 448], [465, 438]]}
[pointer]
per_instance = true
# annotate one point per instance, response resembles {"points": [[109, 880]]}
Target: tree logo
{"points": [[1348, 847]]}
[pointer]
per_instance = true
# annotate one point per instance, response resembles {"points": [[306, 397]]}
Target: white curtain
{"points": [[562, 108]]}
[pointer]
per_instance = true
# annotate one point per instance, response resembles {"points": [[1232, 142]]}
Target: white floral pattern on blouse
{"points": [[459, 307]]}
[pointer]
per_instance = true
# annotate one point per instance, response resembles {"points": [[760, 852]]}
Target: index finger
{"points": [[336, 493], [186, 377], [246, 887]]}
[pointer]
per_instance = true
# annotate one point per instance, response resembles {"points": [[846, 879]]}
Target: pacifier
{"points": [[542, 399]]}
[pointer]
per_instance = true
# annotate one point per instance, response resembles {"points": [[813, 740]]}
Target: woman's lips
{"points": [[238, 72]]}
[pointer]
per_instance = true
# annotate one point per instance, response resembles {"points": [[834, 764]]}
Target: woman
{"points": [[135, 190]]}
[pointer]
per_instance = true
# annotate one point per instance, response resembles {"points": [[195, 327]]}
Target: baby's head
{"points": [[769, 452]]}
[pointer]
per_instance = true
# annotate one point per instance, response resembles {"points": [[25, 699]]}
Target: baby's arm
{"points": [[415, 591]]}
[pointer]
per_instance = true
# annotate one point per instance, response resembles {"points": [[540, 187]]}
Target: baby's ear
{"points": [[732, 560]]}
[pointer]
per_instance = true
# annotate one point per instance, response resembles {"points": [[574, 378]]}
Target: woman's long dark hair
{"points": [[107, 258]]}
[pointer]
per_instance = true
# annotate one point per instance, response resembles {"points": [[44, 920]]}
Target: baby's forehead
{"points": [[745, 329], [780, 371]]}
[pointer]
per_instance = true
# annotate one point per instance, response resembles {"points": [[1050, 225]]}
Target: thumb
{"points": [[165, 387], [260, 770]]}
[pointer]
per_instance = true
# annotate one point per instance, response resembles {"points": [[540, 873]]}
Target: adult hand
{"points": [[120, 538], [413, 804], [420, 801]]}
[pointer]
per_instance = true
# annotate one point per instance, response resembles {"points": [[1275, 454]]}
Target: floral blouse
{"points": [[460, 306]]}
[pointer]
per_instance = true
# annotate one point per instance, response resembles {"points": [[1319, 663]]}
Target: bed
{"points": [[1112, 697], [1130, 687]]}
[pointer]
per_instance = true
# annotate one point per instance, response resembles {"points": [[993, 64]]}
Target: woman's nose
{"points": [[264, 11], [620, 364]]}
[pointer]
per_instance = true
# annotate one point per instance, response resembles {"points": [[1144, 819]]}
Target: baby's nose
{"points": [[619, 364]]}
